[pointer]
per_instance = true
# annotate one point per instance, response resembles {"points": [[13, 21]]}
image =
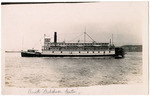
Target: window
{"points": [[104, 51], [98, 51], [61, 51], [87, 51], [79, 51], [93, 51]]}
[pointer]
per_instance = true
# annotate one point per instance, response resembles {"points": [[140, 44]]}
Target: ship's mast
{"points": [[85, 35], [112, 39]]}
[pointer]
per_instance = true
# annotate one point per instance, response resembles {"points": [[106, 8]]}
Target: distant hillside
{"points": [[132, 48]]}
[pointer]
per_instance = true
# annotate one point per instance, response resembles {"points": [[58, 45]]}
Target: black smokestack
{"points": [[55, 37]]}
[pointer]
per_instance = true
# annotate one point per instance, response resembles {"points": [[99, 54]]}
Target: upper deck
{"points": [[74, 46]]}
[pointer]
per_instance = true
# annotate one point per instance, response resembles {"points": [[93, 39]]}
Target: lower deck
{"points": [[108, 52]]}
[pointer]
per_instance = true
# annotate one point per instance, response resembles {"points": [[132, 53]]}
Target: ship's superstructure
{"points": [[63, 49]]}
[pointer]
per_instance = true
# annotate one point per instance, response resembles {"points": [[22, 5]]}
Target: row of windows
{"points": [[87, 52], [76, 48], [79, 44]]}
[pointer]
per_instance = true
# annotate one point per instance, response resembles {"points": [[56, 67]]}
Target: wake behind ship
{"points": [[63, 49]]}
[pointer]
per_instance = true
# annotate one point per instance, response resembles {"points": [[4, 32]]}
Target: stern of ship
{"points": [[119, 52]]}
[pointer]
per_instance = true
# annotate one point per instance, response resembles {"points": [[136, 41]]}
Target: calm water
{"points": [[23, 72]]}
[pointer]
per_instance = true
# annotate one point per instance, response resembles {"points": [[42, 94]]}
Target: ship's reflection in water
{"points": [[71, 72]]}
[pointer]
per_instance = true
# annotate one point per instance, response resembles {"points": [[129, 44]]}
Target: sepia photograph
{"points": [[74, 48]]}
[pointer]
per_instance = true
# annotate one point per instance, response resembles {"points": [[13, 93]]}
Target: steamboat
{"points": [[63, 49]]}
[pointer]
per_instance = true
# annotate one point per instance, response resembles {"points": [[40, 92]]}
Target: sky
{"points": [[23, 26]]}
